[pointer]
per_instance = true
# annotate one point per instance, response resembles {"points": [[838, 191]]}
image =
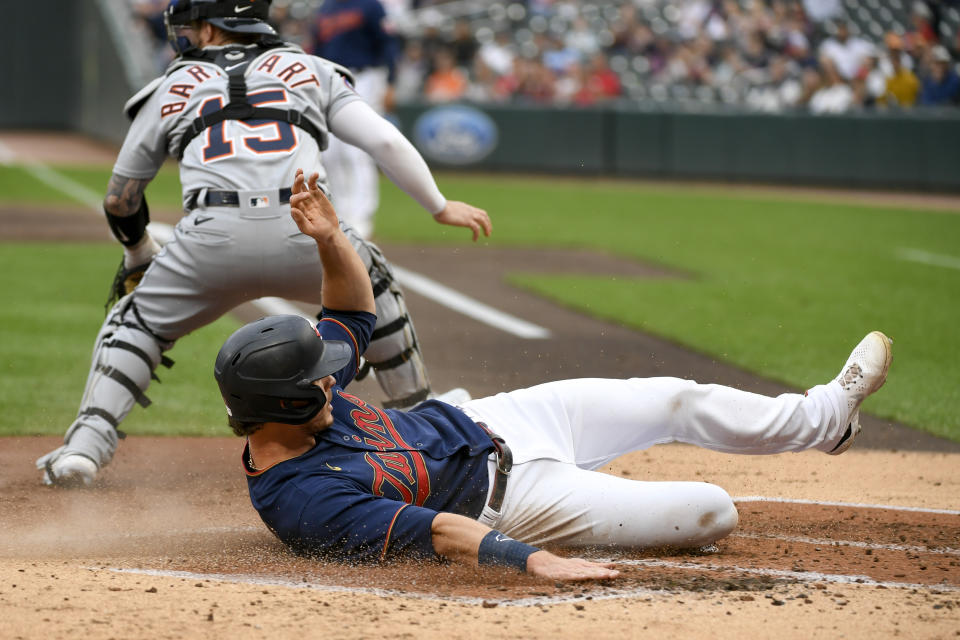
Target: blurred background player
{"points": [[353, 33]]}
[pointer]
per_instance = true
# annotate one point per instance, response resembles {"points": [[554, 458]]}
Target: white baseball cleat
{"points": [[71, 470], [455, 396], [864, 373]]}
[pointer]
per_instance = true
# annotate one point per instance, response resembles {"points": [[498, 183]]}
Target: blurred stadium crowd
{"points": [[825, 56]]}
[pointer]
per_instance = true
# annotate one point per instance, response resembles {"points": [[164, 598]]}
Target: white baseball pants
{"points": [[352, 174], [560, 432]]}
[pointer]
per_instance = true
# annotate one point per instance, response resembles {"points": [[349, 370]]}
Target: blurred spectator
{"points": [[598, 83], [498, 53], [581, 38], [398, 12], [762, 54], [150, 15], [537, 85], [447, 82], [874, 81], [463, 44], [892, 41], [432, 41], [846, 52], [755, 52], [796, 35], [557, 55], [412, 69], [941, 85], [834, 95], [622, 29], [568, 84], [480, 83], [782, 89], [902, 85], [923, 34], [822, 10]]}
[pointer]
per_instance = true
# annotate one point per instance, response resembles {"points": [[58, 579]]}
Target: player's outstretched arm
{"points": [[466, 541], [358, 124], [346, 285]]}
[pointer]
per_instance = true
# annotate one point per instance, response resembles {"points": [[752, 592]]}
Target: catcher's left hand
{"points": [[124, 282], [461, 214]]}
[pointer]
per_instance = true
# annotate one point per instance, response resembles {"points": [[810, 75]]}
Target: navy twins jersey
{"points": [[351, 33], [376, 479]]}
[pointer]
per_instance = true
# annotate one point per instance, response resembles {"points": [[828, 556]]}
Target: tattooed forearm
{"points": [[124, 195]]}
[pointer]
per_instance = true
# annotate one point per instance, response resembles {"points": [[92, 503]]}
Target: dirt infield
{"points": [[167, 544]]}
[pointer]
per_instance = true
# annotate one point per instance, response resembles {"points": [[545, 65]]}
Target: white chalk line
{"points": [[53, 179], [800, 576], [465, 305], [7, 157], [608, 592], [926, 257], [858, 505], [847, 543]]}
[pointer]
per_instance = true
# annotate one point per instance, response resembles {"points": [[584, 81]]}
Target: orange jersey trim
{"points": [[386, 542]]}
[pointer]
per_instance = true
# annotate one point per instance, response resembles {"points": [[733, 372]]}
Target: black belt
{"points": [[214, 198], [504, 465]]}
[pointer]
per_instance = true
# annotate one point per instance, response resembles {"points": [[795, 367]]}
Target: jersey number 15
{"points": [[219, 146]]}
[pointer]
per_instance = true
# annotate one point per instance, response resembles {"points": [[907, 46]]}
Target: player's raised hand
{"points": [[547, 565], [311, 210], [461, 214]]}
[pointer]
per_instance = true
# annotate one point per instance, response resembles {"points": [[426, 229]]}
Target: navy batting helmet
{"points": [[266, 370], [240, 16]]}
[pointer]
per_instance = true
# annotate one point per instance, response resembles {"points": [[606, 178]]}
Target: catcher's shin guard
{"points": [[393, 352], [125, 356]]}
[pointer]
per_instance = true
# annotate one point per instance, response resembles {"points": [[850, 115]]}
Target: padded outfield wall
{"points": [[915, 150], [71, 65]]}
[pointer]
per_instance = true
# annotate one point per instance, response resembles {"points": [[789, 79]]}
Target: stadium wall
{"points": [[71, 65], [914, 150]]}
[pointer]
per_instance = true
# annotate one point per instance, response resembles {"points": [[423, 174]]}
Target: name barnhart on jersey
{"points": [[293, 74]]}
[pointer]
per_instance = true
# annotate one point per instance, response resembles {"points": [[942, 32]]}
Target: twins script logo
{"points": [[397, 465]]}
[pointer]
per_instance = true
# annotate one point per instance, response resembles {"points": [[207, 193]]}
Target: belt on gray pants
{"points": [[504, 465], [215, 198]]}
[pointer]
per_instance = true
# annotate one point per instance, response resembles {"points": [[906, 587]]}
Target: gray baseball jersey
{"points": [[233, 154], [241, 246]]}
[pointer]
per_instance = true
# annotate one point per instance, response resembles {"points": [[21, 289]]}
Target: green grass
{"points": [[783, 287], [18, 185], [49, 324]]}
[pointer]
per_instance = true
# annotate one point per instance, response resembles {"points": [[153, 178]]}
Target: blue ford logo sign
{"points": [[455, 134]]}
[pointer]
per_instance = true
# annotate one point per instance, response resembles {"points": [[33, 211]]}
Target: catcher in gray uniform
{"points": [[241, 111]]}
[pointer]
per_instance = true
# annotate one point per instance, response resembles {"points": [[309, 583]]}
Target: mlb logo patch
{"points": [[259, 201]]}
